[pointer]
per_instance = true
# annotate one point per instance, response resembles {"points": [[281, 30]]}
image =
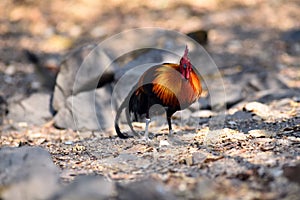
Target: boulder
{"points": [[23, 172]]}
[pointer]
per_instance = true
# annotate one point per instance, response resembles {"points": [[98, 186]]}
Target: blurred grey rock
{"points": [[78, 104], [292, 39], [239, 116], [205, 189], [225, 166], [90, 110], [87, 187], [46, 66], [33, 110], [271, 95], [234, 95], [67, 75], [263, 80], [3, 109], [144, 189], [200, 36], [27, 173]]}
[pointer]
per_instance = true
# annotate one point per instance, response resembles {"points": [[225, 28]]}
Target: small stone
{"points": [[198, 158], [257, 133], [232, 123], [22, 124], [69, 142], [203, 114], [257, 108], [164, 143], [296, 99], [10, 70], [188, 160], [35, 85]]}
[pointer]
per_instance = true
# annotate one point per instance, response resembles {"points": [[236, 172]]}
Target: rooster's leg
{"points": [[171, 137], [148, 120], [170, 126]]}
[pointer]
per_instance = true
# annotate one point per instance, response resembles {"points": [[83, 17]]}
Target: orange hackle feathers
{"points": [[170, 87], [174, 86]]}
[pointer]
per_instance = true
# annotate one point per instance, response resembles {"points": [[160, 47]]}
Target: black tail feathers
{"points": [[117, 128]]}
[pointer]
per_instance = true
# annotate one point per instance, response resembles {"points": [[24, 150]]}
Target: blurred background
{"points": [[59, 25], [242, 35], [238, 27]]}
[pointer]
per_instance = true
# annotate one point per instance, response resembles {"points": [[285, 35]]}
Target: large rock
{"points": [[87, 187], [27, 173], [87, 79], [90, 110], [78, 104], [33, 110]]}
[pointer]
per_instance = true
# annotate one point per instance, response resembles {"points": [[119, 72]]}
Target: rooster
{"points": [[173, 86]]}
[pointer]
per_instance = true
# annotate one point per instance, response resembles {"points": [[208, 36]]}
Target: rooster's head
{"points": [[185, 64]]}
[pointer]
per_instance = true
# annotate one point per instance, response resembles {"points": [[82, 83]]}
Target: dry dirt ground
{"points": [[256, 155]]}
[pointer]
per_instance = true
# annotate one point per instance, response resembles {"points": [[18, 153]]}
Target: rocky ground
{"points": [[254, 153]]}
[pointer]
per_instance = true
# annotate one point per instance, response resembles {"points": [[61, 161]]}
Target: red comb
{"points": [[186, 52]]}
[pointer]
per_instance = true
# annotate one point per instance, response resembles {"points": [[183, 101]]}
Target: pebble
{"points": [[296, 98], [257, 133], [203, 114], [198, 158], [68, 142], [256, 107], [10, 70], [164, 143], [259, 109]]}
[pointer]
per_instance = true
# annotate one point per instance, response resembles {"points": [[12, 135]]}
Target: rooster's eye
{"points": [[184, 66]]}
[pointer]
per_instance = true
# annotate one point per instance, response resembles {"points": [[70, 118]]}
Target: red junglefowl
{"points": [[173, 86]]}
